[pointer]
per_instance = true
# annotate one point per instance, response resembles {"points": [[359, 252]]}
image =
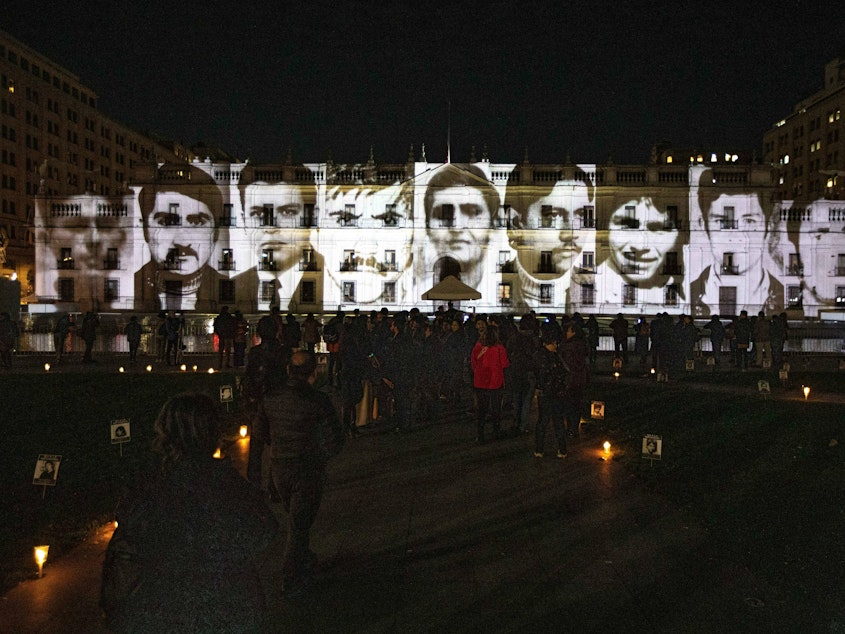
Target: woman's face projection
{"points": [[640, 235]]}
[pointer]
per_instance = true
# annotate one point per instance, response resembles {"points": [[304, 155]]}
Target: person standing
{"points": [[398, 366], [521, 381], [779, 331], [63, 327], [239, 341], [224, 328], [717, 336], [642, 338], [551, 382], [488, 360], [305, 433], [310, 333], [592, 327], [331, 335], [172, 330], [573, 351], [184, 555], [133, 337], [7, 339], [762, 339], [742, 337], [619, 328], [90, 323]]}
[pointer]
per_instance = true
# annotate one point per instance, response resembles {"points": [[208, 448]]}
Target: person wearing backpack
{"points": [[551, 381]]}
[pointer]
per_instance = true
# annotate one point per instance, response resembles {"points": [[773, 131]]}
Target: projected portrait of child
{"points": [[179, 215], [550, 234], [739, 231], [459, 207]]}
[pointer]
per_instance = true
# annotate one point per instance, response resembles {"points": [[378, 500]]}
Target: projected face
{"points": [[640, 235], [181, 232], [749, 219], [465, 209], [565, 209]]}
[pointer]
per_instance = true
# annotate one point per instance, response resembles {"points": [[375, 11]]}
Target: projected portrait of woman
{"points": [[459, 207], [553, 231], [179, 215], [740, 231]]}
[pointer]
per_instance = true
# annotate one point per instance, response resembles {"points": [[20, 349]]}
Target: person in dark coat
{"points": [[778, 331], [133, 337], [183, 556], [573, 351], [619, 328], [717, 336], [305, 433], [551, 382], [90, 323], [519, 376], [742, 337], [224, 328], [592, 328]]}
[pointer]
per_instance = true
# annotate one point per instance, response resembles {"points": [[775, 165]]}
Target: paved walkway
{"points": [[429, 532]]}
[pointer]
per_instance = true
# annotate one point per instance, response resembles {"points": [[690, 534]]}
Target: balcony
{"points": [[66, 264], [347, 265], [307, 221], [387, 267], [505, 267], [308, 265], [267, 266], [795, 269], [630, 269], [111, 265], [226, 265], [547, 269], [226, 221], [171, 265], [670, 269], [728, 223], [730, 269]]}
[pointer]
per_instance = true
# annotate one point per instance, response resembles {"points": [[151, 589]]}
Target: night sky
{"points": [[586, 80]]}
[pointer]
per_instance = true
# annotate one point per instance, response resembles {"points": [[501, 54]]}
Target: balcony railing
{"points": [[171, 265], [66, 264], [111, 265], [546, 268], [307, 221], [796, 269], [839, 271], [630, 269], [387, 267], [308, 265], [505, 267], [728, 223], [673, 270], [226, 265], [266, 266], [730, 269], [346, 265]]}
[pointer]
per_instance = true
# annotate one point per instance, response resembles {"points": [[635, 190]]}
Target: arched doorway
{"points": [[446, 266]]}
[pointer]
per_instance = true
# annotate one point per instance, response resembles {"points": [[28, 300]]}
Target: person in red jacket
{"points": [[489, 360]]}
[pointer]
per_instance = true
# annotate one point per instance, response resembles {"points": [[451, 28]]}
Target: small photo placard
{"points": [[227, 395], [597, 410], [662, 377], [46, 469], [652, 447], [617, 363], [763, 387], [767, 363], [786, 367], [783, 375], [120, 431], [711, 360], [689, 365], [842, 364]]}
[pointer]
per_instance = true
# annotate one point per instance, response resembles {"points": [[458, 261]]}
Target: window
{"points": [[226, 218], [348, 217], [795, 267], [267, 262], [268, 219], [629, 221], [793, 296], [111, 290], [348, 291], [670, 295], [309, 219], [171, 260], [728, 218], [308, 261], [588, 261], [629, 294], [65, 258], [66, 289], [546, 265], [840, 295], [840, 264], [505, 264], [547, 217], [308, 292], [172, 217], [630, 266], [111, 263], [389, 260], [671, 221], [505, 294], [729, 267], [388, 292], [546, 293], [391, 216], [267, 292], [727, 300], [348, 263], [588, 294], [671, 266], [446, 215], [227, 291], [588, 218], [227, 263]]}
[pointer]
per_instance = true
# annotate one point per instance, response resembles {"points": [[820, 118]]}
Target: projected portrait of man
{"points": [[641, 237], [550, 234], [739, 228], [459, 207], [179, 216]]}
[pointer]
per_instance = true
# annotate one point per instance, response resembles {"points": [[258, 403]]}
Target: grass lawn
{"points": [[765, 476]]}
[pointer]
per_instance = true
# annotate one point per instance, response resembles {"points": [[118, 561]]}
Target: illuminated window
{"points": [[348, 291], [588, 294], [728, 219], [309, 260], [546, 293], [348, 263], [388, 292], [840, 295], [267, 262], [629, 294], [588, 261], [389, 260], [267, 291], [670, 297], [227, 263], [504, 264], [268, 218], [729, 266], [505, 294], [793, 296], [348, 217], [588, 217], [546, 264]]}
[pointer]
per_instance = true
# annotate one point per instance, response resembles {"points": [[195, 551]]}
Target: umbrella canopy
{"points": [[451, 288]]}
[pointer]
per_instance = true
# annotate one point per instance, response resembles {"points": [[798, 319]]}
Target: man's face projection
{"points": [[181, 227]]}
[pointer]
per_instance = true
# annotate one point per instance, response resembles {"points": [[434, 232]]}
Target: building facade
{"points": [[54, 139], [702, 238], [807, 148]]}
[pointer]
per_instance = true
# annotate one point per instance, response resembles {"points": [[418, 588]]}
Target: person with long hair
{"points": [[489, 360]]}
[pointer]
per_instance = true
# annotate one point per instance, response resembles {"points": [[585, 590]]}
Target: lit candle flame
{"points": [[40, 557], [46, 367]]}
